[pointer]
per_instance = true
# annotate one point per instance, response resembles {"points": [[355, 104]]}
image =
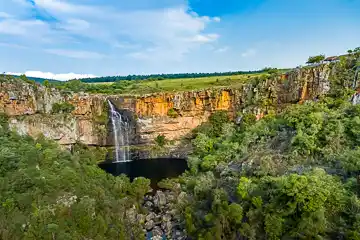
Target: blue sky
{"points": [[63, 39]]}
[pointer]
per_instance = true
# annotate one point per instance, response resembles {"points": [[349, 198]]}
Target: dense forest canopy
{"points": [[294, 175], [50, 193]]}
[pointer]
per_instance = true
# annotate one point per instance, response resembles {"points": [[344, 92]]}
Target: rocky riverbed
{"points": [[160, 218]]}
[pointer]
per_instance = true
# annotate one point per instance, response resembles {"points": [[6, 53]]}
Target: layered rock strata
{"points": [[173, 114]]}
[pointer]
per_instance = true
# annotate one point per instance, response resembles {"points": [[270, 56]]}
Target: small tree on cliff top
{"points": [[316, 59]]}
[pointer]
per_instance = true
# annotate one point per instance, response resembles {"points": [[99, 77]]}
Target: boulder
{"points": [[149, 225], [157, 232], [159, 199], [150, 216]]}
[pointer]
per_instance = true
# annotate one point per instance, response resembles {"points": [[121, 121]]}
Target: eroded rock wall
{"points": [[30, 106], [194, 107]]}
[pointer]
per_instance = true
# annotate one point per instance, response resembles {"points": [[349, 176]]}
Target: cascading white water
{"points": [[121, 130], [357, 70]]}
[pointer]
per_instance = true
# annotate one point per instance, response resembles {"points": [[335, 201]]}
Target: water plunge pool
{"points": [[155, 169]]}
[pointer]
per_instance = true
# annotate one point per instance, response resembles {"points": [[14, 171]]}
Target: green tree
{"points": [[46, 83], [160, 140], [172, 113], [316, 59], [62, 107]]}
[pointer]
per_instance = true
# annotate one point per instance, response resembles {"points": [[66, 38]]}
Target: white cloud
{"points": [[221, 50], [22, 27], [216, 19], [21, 2], [204, 38], [5, 15], [75, 25], [249, 53], [144, 54], [63, 6], [165, 34], [12, 45], [49, 75], [75, 54], [173, 32], [126, 45]]}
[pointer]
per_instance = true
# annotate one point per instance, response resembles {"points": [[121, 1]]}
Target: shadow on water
{"points": [[154, 169]]}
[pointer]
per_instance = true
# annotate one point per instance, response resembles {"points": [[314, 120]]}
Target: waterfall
{"points": [[356, 77], [121, 129]]}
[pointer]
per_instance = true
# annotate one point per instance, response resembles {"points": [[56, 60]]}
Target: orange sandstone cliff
{"points": [[30, 107]]}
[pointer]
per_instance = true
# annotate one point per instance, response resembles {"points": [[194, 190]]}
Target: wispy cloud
{"points": [[75, 25], [249, 53], [221, 50], [63, 7], [216, 19], [22, 27], [75, 54], [12, 45], [5, 15], [49, 75], [126, 45], [177, 31], [204, 38]]}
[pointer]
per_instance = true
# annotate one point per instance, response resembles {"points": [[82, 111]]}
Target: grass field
{"points": [[141, 87], [183, 84]]}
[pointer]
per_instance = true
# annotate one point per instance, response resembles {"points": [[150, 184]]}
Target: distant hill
{"points": [[39, 80]]}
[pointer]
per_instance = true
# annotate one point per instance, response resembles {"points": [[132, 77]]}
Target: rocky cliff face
{"points": [[30, 110], [171, 114], [194, 107]]}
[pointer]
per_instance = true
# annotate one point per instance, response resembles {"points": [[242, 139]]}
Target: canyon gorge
{"points": [[30, 107]]}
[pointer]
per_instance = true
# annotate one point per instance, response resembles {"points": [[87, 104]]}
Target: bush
{"points": [[172, 113], [217, 119], [316, 59], [3, 122], [160, 140], [63, 107], [25, 79]]}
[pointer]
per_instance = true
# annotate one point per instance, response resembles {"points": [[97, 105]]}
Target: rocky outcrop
{"points": [[29, 107], [162, 220], [159, 216], [171, 114], [194, 107]]}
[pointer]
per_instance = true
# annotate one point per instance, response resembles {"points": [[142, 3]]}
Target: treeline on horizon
{"points": [[152, 76], [167, 76]]}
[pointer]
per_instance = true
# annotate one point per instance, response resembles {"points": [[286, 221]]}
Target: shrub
{"points": [[46, 83], [217, 119], [316, 59], [160, 140], [25, 79], [63, 107], [172, 113], [3, 122]]}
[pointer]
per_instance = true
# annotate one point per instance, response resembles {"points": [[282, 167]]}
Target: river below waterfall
{"points": [[153, 169]]}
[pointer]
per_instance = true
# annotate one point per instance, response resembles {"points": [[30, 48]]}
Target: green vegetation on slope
{"points": [[289, 176], [63, 107], [49, 193], [292, 176]]}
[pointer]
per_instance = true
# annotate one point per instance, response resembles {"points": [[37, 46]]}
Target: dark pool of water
{"points": [[153, 169]]}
